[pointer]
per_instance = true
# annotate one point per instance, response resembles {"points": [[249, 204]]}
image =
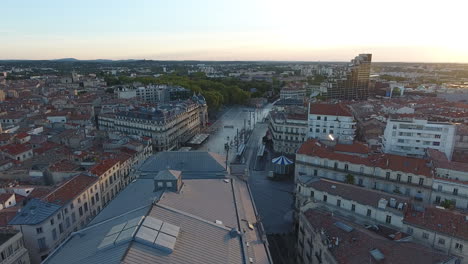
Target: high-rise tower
{"points": [[355, 84]]}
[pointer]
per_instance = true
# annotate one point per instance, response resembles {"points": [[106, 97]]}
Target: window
{"points": [[455, 191], [324, 118], [79, 200], [73, 217], [312, 194], [346, 167], [338, 202], [169, 184], [39, 230], [67, 222], [459, 246], [410, 179], [361, 169], [360, 182], [59, 216], [315, 172], [409, 230], [42, 243], [439, 188], [61, 228], [66, 210], [437, 199], [97, 197], [318, 117], [353, 207], [81, 211], [54, 234], [441, 241], [92, 200], [160, 184], [324, 130], [421, 181], [51, 221], [335, 166], [325, 198], [388, 220], [317, 130], [436, 143], [387, 175], [369, 212], [86, 207], [437, 136], [398, 177], [425, 235]]}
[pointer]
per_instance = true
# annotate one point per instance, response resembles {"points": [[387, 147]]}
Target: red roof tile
{"points": [[418, 166], [103, 166], [356, 147], [63, 165], [355, 246], [4, 197], [453, 223], [15, 149], [329, 109], [70, 189]]}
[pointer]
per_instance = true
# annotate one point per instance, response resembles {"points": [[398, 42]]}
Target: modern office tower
{"points": [[354, 84]]}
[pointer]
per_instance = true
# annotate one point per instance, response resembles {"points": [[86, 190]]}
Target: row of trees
{"points": [[216, 92]]}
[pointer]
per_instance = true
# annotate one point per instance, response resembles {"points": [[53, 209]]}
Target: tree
{"points": [[349, 179], [448, 204]]}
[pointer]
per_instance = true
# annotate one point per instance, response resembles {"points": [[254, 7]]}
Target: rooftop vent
{"points": [[234, 233], [383, 203], [377, 254], [344, 227]]}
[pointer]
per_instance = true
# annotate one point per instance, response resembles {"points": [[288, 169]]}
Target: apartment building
{"points": [[412, 177], [155, 93], [110, 178], [450, 185], [12, 250], [293, 93], [168, 125], [47, 222], [331, 122], [410, 137], [330, 239], [288, 130], [347, 199]]}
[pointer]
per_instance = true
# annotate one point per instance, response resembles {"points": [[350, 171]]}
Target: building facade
{"points": [[411, 177], [168, 125], [12, 250], [410, 137], [331, 122], [288, 130], [354, 83]]}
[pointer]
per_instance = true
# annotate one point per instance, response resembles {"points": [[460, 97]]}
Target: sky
{"points": [[286, 30]]}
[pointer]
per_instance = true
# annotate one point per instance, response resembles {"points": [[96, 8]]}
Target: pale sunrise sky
{"points": [[303, 30]]}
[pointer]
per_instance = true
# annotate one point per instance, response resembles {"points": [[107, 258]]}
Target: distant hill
{"points": [[66, 59]]}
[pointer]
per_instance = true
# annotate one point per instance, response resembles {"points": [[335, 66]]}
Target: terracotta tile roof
{"points": [[70, 189], [356, 147], [355, 246], [7, 214], [440, 161], [453, 223], [40, 191], [329, 109], [4, 197], [15, 149], [63, 165], [22, 135], [46, 146], [352, 192], [103, 166], [314, 148]]}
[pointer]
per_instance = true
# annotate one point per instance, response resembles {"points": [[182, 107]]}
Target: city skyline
{"points": [[242, 31]]}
